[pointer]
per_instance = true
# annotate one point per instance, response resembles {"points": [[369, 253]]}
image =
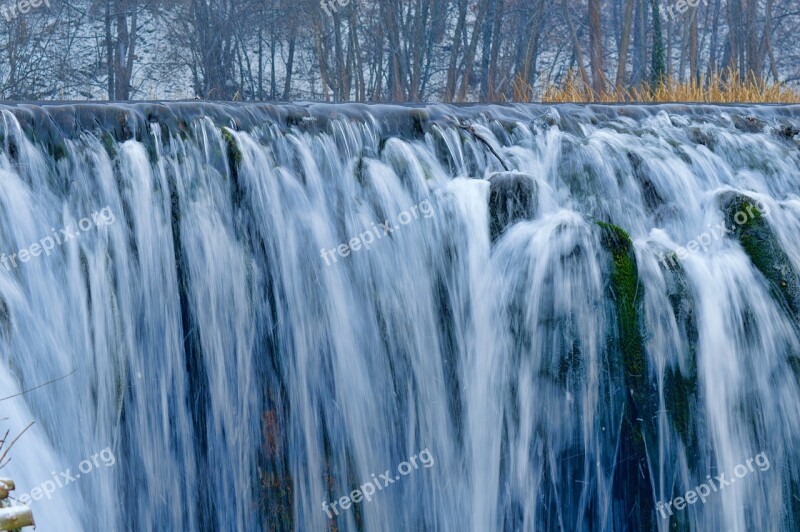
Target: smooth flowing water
{"points": [[257, 310]]}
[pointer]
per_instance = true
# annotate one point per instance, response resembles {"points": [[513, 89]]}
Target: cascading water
{"points": [[271, 307]]}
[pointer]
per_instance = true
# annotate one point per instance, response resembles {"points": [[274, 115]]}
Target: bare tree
{"points": [[625, 40], [121, 50], [596, 47]]}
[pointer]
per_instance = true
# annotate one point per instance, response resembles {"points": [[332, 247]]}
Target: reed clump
{"points": [[718, 87]]}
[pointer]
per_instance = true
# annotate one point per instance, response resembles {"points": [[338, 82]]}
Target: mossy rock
{"points": [[751, 229], [234, 158], [234, 153], [512, 198], [109, 145], [632, 484], [627, 295]]}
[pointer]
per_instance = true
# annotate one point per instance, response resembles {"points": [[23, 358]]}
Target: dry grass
{"points": [[715, 89]]}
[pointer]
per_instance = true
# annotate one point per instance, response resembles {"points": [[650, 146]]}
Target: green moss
{"points": [[234, 153], [627, 294], [679, 393], [57, 149], [632, 479], [757, 248], [109, 145], [51, 140], [234, 160]]}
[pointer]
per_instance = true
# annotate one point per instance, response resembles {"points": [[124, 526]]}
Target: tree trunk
{"points": [[658, 66], [486, 47], [396, 70], [596, 48], [215, 47], [260, 37], [287, 82], [495, 52], [377, 92], [528, 73], [576, 45], [764, 45], [469, 60], [694, 68], [639, 72], [625, 42], [753, 42], [342, 89], [109, 50], [125, 49], [712, 61], [358, 66], [452, 74], [732, 62]]}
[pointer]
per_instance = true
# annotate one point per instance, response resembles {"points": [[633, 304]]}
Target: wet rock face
{"points": [[512, 198], [750, 227], [748, 124], [787, 131]]}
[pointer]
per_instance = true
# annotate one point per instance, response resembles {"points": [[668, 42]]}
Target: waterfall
{"points": [[354, 317]]}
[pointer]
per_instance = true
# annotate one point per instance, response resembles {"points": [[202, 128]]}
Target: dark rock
{"points": [[650, 194], [787, 131], [748, 124], [759, 241], [698, 136], [512, 197], [566, 122], [680, 384]]}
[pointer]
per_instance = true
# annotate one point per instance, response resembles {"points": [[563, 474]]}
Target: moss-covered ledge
{"points": [[627, 294], [632, 478]]}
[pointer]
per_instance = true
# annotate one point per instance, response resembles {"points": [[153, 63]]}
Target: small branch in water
{"points": [[10, 445], [23, 392], [471, 129]]}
